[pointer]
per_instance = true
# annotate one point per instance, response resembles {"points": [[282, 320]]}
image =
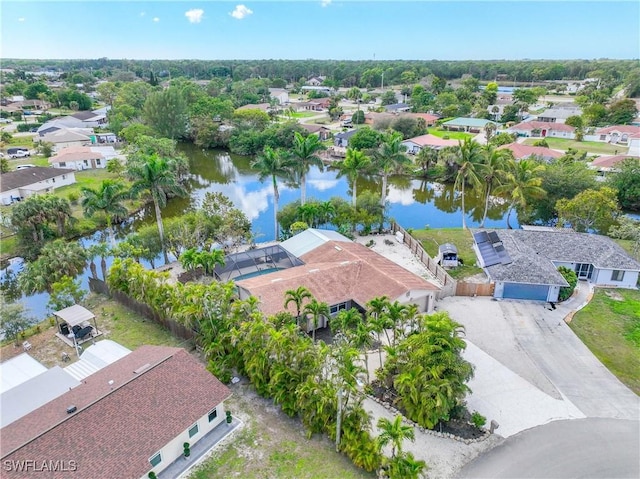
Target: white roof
{"points": [[17, 370], [104, 353], [75, 314], [310, 239], [37, 391]]}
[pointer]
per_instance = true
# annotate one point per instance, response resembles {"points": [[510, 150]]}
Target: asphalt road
{"points": [[582, 448]]}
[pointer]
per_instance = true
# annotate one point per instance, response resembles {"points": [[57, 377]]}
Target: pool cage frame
{"points": [[255, 260]]}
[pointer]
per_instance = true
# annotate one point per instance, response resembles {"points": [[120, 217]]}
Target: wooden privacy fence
{"points": [[177, 329], [450, 286]]}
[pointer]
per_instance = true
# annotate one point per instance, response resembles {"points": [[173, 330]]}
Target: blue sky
{"points": [[321, 29]]}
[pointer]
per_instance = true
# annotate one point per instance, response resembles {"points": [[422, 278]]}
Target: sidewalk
{"points": [[199, 451]]}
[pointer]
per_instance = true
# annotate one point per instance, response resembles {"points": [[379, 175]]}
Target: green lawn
{"points": [[453, 135], [594, 147], [272, 445], [431, 239], [26, 141], [305, 114], [610, 327]]}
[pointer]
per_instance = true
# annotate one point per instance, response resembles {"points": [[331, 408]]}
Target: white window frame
{"points": [[157, 454], [214, 411], [617, 275], [197, 430]]}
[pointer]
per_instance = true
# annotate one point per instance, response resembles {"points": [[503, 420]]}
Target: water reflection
{"points": [[413, 203]]}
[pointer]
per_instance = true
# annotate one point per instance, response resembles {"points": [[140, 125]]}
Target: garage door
{"points": [[526, 291]]}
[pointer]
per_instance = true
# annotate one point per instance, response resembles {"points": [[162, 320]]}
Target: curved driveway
{"points": [[580, 448]]}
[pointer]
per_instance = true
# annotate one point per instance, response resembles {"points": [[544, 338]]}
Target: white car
{"points": [[6, 120], [20, 154], [24, 167]]}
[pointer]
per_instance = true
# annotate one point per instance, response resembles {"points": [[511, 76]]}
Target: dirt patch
{"points": [[614, 295]]}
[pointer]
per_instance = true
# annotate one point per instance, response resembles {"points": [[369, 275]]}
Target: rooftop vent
{"points": [[141, 368], [71, 409]]}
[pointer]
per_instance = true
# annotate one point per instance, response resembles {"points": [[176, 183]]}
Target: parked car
{"points": [[18, 152], [24, 167], [6, 120]]}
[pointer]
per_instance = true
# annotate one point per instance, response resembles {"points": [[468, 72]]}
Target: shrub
{"points": [[478, 419], [572, 279], [73, 197]]}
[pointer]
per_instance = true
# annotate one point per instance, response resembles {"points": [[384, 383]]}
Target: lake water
{"points": [[412, 203]]}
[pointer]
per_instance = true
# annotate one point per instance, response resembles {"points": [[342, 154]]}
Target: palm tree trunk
{"points": [[486, 206], [509, 216], [464, 221], [383, 196], [112, 236], [156, 204], [354, 194], [276, 197], [303, 188]]}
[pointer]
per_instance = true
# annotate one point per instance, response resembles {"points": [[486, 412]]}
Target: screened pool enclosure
{"points": [[255, 262]]}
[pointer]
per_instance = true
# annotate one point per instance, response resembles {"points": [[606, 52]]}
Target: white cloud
{"points": [[21, 19], [142, 14], [156, 19], [240, 12], [194, 15], [325, 3]]}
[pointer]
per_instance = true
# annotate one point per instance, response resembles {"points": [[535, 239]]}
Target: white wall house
{"points": [[19, 185], [540, 129]]}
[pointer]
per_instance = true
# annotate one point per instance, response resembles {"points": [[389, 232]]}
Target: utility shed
{"points": [[448, 255]]}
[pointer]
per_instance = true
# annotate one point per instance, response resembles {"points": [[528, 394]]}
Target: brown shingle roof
{"points": [[76, 153], [336, 272], [29, 176], [115, 431]]}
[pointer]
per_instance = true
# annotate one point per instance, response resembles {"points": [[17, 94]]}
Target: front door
{"points": [[584, 270]]}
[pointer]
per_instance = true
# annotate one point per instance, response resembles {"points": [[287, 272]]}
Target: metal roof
{"points": [[310, 239], [17, 370]]}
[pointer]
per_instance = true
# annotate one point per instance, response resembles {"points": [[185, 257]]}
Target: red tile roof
{"points": [[76, 153], [610, 161], [336, 272], [629, 129], [521, 151], [541, 125], [157, 393]]}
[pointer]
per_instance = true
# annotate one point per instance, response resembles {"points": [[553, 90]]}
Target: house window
{"points": [[64, 177], [213, 415], [53, 180], [193, 430], [98, 162], [603, 137], [86, 162], [617, 275], [63, 164], [156, 459]]}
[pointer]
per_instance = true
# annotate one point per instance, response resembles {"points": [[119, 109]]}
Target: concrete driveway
{"points": [[537, 345]]}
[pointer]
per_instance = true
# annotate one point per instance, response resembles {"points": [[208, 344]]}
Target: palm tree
{"points": [[272, 163], [520, 182], [394, 433], [102, 250], [59, 210], [469, 159], [297, 297], [425, 158], [490, 170], [108, 198], [405, 466], [489, 130], [304, 152], [389, 158], [159, 177], [355, 162], [316, 310], [326, 211]]}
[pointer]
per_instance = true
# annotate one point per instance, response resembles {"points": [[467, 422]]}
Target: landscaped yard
{"points": [[272, 445], [594, 147], [431, 239], [610, 327], [452, 135]]}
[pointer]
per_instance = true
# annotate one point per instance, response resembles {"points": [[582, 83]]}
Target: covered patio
{"points": [[75, 326]]}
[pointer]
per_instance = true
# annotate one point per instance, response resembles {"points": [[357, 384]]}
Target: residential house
{"points": [[523, 263], [397, 108], [429, 119], [342, 139], [320, 89], [66, 137], [126, 420], [606, 164], [339, 272], [521, 152], [540, 129], [83, 157], [321, 131], [415, 144], [315, 81], [315, 104], [618, 134], [470, 125], [280, 94], [20, 184], [559, 114], [266, 107], [91, 117]]}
